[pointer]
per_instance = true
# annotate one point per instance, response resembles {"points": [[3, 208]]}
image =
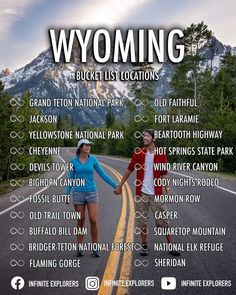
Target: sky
{"points": [[24, 24]]}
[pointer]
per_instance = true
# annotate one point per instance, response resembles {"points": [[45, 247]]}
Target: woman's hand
{"points": [[118, 190], [67, 199]]}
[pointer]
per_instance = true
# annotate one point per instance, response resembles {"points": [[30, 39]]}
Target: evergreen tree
{"points": [[195, 37], [141, 112], [110, 119], [221, 106], [5, 141]]}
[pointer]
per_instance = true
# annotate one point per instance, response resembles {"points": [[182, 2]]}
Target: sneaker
{"points": [[174, 253], [79, 253], [144, 250], [95, 254]]}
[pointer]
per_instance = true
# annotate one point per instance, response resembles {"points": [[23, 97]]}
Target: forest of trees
{"points": [[215, 96], [14, 148]]}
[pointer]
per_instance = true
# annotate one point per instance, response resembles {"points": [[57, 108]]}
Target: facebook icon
{"points": [[17, 283]]}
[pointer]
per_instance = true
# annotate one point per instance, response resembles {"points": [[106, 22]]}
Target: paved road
{"points": [[116, 218]]}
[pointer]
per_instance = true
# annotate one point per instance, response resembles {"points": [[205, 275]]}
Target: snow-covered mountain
{"points": [[45, 79]]}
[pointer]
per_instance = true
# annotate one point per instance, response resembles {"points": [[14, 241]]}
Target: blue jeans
{"points": [[82, 198]]}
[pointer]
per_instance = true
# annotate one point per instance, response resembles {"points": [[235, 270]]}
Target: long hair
{"points": [[79, 150]]}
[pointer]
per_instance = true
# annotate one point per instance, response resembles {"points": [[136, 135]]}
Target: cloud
{"points": [[103, 12], [31, 36], [111, 12], [91, 13], [11, 11], [219, 16]]}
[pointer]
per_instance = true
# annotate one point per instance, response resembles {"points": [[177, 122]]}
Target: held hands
{"points": [[167, 189], [118, 190]]}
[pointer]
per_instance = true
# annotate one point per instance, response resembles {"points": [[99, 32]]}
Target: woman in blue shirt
{"points": [[86, 195]]}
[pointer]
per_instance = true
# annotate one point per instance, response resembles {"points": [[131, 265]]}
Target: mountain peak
{"points": [[5, 72], [45, 79]]}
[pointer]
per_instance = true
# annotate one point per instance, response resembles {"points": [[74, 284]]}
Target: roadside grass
{"points": [[6, 187]]}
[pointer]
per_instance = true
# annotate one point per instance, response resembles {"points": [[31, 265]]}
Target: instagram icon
{"points": [[92, 283]]}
